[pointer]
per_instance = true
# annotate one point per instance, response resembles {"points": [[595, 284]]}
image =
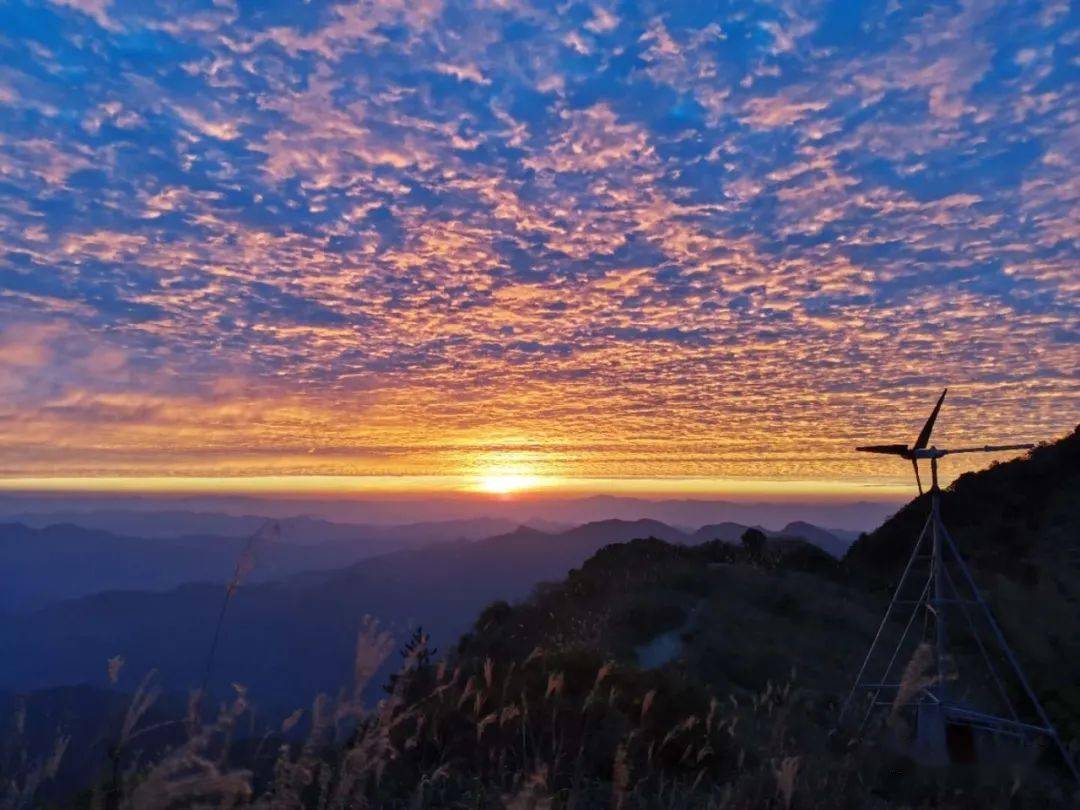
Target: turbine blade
{"points": [[915, 466], [924, 437], [995, 448], [889, 449]]}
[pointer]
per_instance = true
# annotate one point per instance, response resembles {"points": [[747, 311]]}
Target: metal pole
{"points": [[938, 601], [896, 653], [982, 647]]}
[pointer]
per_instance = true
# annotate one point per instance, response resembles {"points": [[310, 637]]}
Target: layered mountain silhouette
{"points": [[288, 638], [232, 514], [57, 560], [301, 529]]}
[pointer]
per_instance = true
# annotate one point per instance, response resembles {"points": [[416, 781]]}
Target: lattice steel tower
{"points": [[955, 714]]}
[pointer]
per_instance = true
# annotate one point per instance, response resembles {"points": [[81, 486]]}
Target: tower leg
{"points": [[938, 601], [885, 619], [1048, 726]]}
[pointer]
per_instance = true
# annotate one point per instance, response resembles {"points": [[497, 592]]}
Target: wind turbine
{"points": [[942, 716], [920, 450]]}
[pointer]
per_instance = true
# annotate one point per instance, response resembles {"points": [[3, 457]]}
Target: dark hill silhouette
{"points": [[734, 618], [1006, 518], [728, 532], [834, 541]]}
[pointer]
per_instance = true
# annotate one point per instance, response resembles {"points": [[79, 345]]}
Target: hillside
{"points": [[717, 613], [545, 704]]}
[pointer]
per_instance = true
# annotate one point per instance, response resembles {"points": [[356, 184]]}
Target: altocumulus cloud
{"points": [[635, 239]]}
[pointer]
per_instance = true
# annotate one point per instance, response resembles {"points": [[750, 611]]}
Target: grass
{"points": [[544, 706], [556, 729]]}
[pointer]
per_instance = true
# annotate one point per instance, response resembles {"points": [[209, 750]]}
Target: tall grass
{"points": [[269, 532], [558, 729]]}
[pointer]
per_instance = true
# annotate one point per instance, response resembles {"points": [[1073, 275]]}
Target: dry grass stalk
{"points": [[19, 796], [555, 684], [373, 647], [113, 667], [620, 777], [145, 696], [188, 777], [919, 674], [786, 775], [647, 702], [290, 722]]}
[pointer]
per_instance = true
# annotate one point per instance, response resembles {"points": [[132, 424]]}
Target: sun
{"points": [[506, 483]]}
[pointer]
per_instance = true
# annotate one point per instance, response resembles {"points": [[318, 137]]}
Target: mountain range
{"points": [[54, 559], [207, 514], [300, 529], [294, 635], [60, 560]]}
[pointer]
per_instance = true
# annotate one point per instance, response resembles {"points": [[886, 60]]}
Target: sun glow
{"points": [[507, 483]]}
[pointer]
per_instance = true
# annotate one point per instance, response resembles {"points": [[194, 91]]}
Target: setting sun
{"points": [[507, 483]]}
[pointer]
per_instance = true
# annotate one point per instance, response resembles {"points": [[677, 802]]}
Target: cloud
{"points": [[27, 345], [98, 10], [778, 111], [603, 20], [462, 73], [594, 139], [222, 129], [353, 25], [641, 241]]}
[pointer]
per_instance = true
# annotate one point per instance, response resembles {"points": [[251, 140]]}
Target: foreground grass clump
{"points": [[555, 729]]}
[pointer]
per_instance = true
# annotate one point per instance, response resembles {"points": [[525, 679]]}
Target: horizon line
{"points": [[458, 486]]}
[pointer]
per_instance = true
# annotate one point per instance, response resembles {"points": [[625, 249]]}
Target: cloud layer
{"points": [[585, 240]]}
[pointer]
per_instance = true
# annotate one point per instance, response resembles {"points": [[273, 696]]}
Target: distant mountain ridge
{"points": [[81, 561], [304, 529], [312, 617], [63, 560], [520, 509]]}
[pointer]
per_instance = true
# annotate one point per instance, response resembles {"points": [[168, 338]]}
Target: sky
{"points": [[495, 246]]}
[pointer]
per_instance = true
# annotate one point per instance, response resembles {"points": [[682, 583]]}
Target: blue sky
{"points": [[576, 239]]}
